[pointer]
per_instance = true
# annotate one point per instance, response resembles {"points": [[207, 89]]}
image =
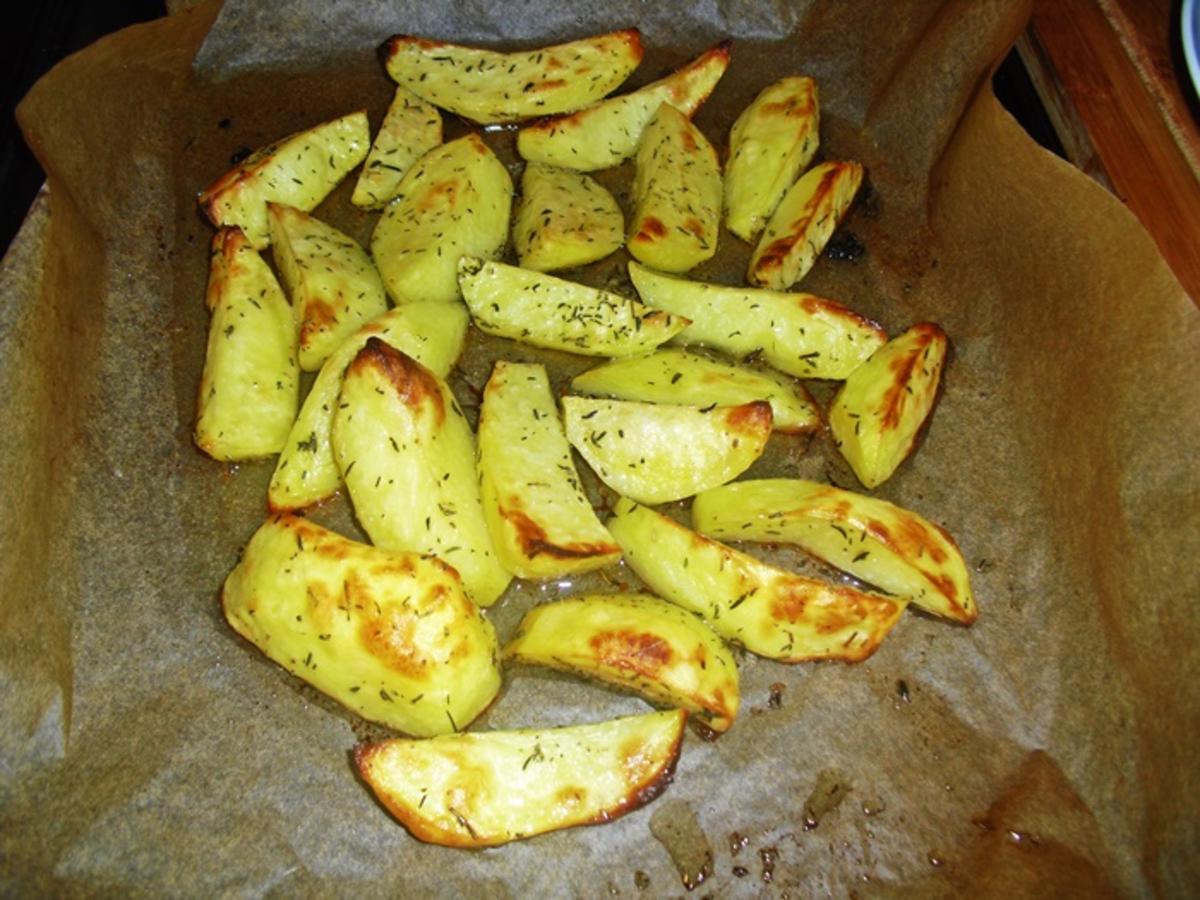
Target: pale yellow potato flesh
{"points": [[770, 144], [771, 612], [298, 171], [676, 194], [332, 282], [486, 86], [607, 134], [638, 642], [551, 312], [892, 548], [488, 788], [564, 219], [454, 201], [389, 635], [542, 524], [802, 335], [249, 389], [681, 377], [657, 453], [802, 224], [306, 473], [407, 457], [878, 412], [410, 129]]}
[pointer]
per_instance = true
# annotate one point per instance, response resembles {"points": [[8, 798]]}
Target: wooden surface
{"points": [[1107, 74]]}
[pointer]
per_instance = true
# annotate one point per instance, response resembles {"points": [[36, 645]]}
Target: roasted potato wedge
{"points": [[637, 642], [887, 546], [298, 171], [547, 311], [676, 193], [488, 788], [250, 385], [410, 129], [334, 287], [407, 456], [488, 87], [388, 634], [802, 224], [656, 453], [455, 200], [607, 133], [541, 522], [564, 219], [769, 611], [677, 376], [770, 144], [799, 334], [430, 332], [878, 412]]}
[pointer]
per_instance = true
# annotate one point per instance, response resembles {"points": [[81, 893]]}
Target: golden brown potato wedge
{"points": [[487, 87], [637, 642], [410, 129], [430, 332], [607, 133], [407, 456], [800, 334], [455, 200], [298, 171], [676, 194], [388, 634], [769, 611], [681, 377], [249, 388], [551, 312], [489, 788], [802, 224], [541, 522], [887, 546], [878, 412], [657, 453], [334, 287], [770, 144], [564, 219]]}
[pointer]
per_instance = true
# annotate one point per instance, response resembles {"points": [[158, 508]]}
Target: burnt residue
{"points": [[902, 690], [768, 856], [675, 826], [845, 246], [775, 697], [239, 155], [827, 794], [737, 843]]}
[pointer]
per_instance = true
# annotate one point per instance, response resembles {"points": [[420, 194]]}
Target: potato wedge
{"points": [[390, 635], [430, 332], [799, 334], [489, 788], [407, 457], [455, 200], [637, 642], [333, 284], [250, 385], [298, 171], [771, 612], [802, 224], [564, 219], [770, 144], [607, 133], [676, 193], [410, 129], [671, 375], [488, 87], [877, 413], [542, 524], [547, 311], [656, 453], [885, 545]]}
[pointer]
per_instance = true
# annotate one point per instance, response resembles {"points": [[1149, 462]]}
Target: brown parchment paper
{"points": [[1050, 750]]}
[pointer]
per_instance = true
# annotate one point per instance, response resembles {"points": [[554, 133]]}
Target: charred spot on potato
{"points": [[415, 386], [644, 654]]}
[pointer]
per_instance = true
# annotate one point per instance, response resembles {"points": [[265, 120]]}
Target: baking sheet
{"points": [[1046, 750]]}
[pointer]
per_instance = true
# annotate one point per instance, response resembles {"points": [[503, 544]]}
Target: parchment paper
{"points": [[1047, 751]]}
